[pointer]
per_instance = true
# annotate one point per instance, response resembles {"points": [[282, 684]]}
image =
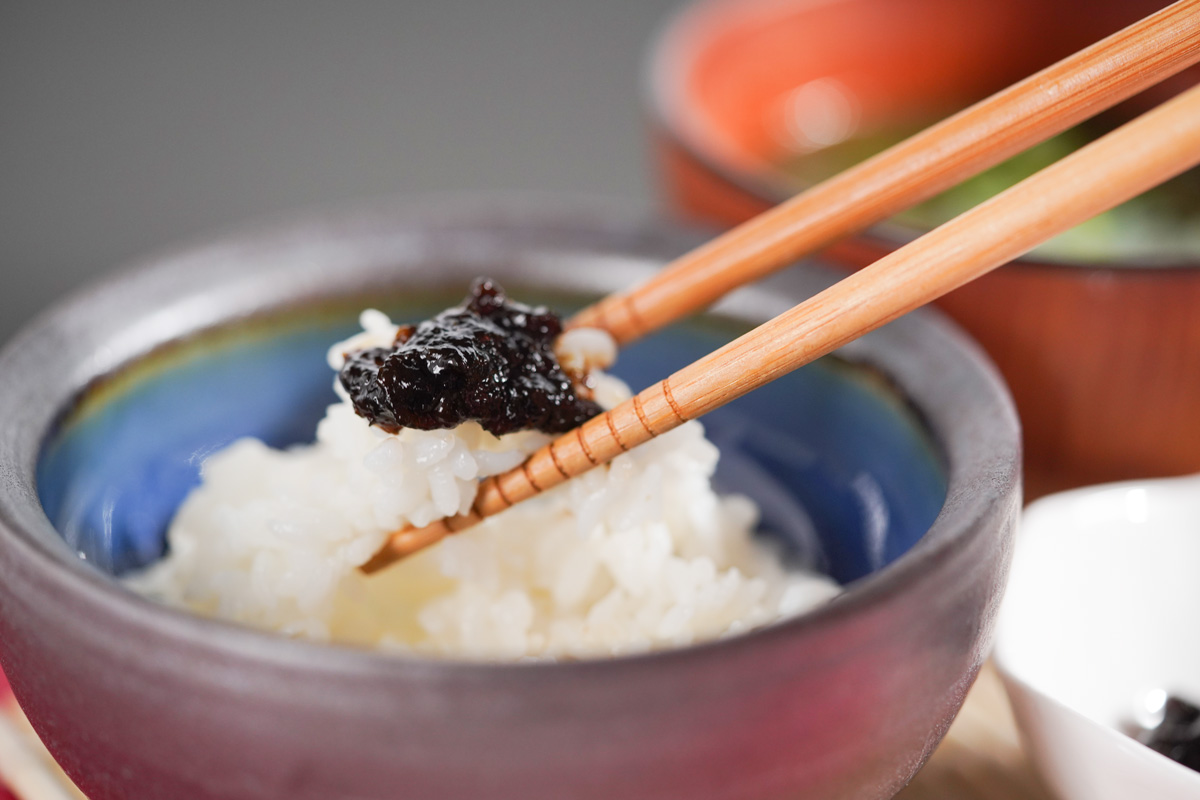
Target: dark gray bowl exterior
{"points": [[140, 701]]}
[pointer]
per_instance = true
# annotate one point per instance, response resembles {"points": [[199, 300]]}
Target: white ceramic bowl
{"points": [[1100, 611]]}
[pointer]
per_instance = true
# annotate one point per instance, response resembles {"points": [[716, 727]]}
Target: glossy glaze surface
{"points": [[841, 466], [137, 700]]}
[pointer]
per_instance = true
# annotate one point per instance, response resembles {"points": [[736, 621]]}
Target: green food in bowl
{"points": [[1162, 225]]}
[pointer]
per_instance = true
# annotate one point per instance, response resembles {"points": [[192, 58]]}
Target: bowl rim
{"points": [[1017, 683], [670, 55], [1014, 684], [1052, 511], [984, 486]]}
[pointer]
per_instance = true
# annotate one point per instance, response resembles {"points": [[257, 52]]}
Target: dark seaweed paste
{"points": [[1178, 736], [490, 360]]}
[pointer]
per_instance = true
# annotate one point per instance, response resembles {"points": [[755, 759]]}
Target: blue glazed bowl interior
{"points": [[842, 468]]}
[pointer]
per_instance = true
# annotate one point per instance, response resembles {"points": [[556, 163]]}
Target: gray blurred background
{"points": [[127, 126]]}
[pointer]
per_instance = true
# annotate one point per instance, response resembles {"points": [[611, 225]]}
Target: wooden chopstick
{"points": [[918, 168], [1141, 154]]}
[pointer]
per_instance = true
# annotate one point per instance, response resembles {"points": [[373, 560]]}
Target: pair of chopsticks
{"points": [[1128, 161]]}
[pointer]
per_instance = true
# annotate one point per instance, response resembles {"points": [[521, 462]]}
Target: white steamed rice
{"points": [[638, 555]]}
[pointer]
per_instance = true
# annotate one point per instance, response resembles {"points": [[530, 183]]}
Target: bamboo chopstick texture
{"points": [[1141, 154], [920, 167]]}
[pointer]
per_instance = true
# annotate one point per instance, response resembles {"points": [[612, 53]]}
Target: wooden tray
{"points": [[981, 757]]}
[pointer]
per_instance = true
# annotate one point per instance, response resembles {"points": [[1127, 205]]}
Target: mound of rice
{"points": [[637, 555]]}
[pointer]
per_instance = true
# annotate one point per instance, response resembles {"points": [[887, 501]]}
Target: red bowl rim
{"points": [[672, 52]]}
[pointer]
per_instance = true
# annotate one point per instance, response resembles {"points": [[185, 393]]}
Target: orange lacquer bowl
{"points": [[1103, 360]]}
